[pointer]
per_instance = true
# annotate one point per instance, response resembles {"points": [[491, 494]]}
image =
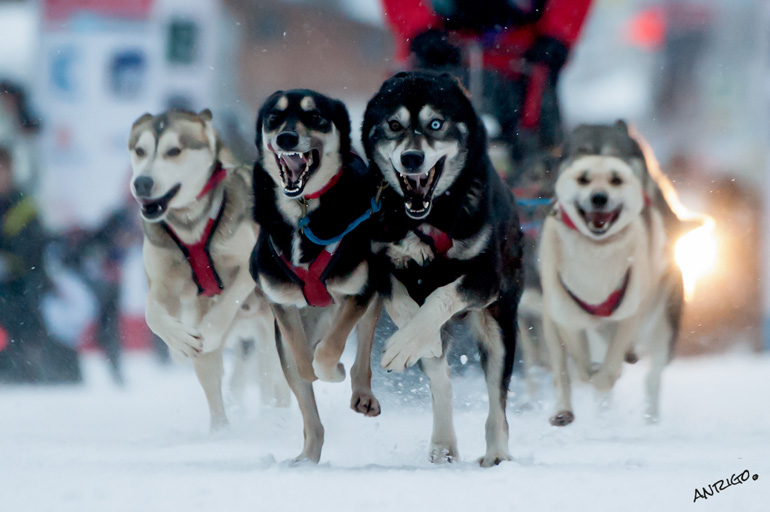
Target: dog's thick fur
{"points": [[449, 235], [611, 232], [178, 152], [303, 139]]}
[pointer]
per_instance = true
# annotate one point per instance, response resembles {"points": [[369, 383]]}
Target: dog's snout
{"points": [[600, 200], [412, 160], [287, 140], [143, 186]]}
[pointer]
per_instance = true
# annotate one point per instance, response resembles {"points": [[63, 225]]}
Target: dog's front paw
{"points": [[329, 373], [326, 365], [494, 458], [183, 339], [407, 346], [562, 418], [443, 453], [364, 402]]}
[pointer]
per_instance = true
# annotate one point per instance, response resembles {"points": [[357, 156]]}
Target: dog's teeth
{"points": [[425, 205]]}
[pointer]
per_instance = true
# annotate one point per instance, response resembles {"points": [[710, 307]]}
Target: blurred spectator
{"points": [[29, 355], [97, 256], [520, 47]]}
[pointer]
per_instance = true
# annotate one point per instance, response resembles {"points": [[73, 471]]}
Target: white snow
{"points": [[146, 448]]}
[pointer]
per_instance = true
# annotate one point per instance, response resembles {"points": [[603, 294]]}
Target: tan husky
{"points": [[196, 207]]}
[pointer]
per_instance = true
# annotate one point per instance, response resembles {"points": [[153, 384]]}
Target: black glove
{"points": [[549, 52], [433, 50]]}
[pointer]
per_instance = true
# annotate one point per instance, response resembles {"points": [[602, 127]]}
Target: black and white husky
{"points": [[449, 235], [610, 283], [313, 199]]}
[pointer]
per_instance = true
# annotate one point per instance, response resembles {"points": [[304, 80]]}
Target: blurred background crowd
{"points": [[692, 76]]}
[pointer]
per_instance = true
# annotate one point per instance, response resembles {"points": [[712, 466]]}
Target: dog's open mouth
{"points": [[296, 169], [599, 221], [418, 190], [153, 209]]}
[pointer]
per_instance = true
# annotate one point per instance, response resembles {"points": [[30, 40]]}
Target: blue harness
{"points": [[305, 228]]}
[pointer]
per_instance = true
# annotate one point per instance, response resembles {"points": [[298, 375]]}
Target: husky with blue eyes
{"points": [[449, 235]]}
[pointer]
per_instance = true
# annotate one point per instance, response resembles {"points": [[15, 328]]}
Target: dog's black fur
{"points": [[493, 278], [342, 204]]}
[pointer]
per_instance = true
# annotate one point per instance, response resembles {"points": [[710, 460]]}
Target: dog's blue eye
{"points": [[436, 124], [395, 126]]}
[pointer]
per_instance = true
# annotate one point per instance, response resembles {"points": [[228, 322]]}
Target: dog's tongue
{"points": [[295, 165], [599, 219]]}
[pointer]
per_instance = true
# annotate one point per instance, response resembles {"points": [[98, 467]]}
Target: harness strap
{"points": [[312, 278], [438, 241], [215, 179], [606, 308], [199, 257], [305, 227]]}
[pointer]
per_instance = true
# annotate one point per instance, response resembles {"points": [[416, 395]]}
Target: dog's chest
{"points": [[593, 272]]}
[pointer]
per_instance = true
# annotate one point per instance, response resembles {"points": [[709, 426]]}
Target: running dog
{"points": [[610, 283], [313, 201], [449, 235], [198, 237]]}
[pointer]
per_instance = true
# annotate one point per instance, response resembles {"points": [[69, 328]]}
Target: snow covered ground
{"points": [[146, 448]]}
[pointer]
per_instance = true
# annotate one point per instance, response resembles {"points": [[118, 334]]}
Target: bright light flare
{"points": [[696, 255]]}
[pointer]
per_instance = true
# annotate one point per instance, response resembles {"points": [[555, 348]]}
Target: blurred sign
{"points": [[62, 10]]}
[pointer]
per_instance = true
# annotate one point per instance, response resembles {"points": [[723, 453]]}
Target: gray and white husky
{"points": [[198, 236]]}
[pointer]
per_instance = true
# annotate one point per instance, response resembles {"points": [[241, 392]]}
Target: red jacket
{"points": [[560, 21], [545, 42]]}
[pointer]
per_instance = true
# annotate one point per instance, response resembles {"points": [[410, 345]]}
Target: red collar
{"points": [[215, 179], [606, 308], [333, 181]]}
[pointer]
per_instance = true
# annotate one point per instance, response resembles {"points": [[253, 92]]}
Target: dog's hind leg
{"points": [[561, 383], [660, 339], [273, 388], [209, 369], [313, 430], [326, 360], [363, 400], [497, 344], [443, 441]]}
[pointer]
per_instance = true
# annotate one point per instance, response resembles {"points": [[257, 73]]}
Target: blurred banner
{"points": [[102, 64]]}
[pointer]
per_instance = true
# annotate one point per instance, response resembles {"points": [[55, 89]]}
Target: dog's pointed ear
{"points": [[208, 127], [621, 126], [144, 118], [342, 122]]}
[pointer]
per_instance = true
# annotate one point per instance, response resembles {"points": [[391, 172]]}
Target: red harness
{"points": [[313, 287], [606, 308], [439, 241], [312, 278], [197, 254]]}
